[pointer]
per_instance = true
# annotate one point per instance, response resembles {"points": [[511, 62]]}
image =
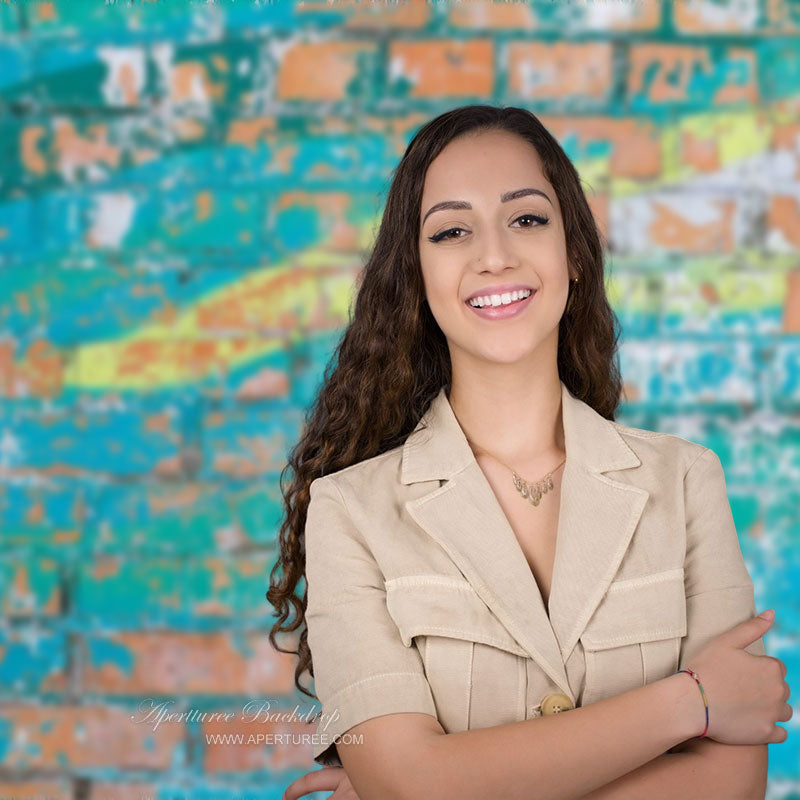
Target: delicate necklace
{"points": [[530, 491]]}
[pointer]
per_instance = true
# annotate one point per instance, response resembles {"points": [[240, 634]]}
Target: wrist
{"points": [[688, 718]]}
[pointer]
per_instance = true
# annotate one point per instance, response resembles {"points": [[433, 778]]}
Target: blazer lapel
{"points": [[597, 518]]}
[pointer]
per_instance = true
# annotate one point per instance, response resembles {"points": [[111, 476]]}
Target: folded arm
{"points": [[699, 769]]}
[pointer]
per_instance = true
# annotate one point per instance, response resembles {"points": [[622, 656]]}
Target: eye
{"points": [[540, 220], [444, 235]]}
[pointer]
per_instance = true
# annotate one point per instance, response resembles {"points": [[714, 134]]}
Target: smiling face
{"points": [[507, 240]]}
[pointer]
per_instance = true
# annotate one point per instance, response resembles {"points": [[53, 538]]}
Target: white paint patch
{"points": [[112, 216], [736, 15], [117, 59]]}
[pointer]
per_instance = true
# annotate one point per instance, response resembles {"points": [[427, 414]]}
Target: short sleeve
{"points": [[719, 590], [362, 669]]}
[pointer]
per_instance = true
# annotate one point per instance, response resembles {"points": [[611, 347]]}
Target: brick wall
{"points": [[186, 195]]}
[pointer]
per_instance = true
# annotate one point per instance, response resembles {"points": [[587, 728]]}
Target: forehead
{"points": [[488, 163]]}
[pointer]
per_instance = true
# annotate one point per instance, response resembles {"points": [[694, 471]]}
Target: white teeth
{"points": [[499, 299]]}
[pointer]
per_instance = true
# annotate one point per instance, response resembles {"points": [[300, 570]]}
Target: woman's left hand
{"points": [[327, 779]]}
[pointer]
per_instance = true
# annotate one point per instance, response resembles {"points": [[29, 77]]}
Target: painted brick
{"points": [[707, 17], [625, 147], [33, 659], [720, 296], [783, 223], [441, 68], [356, 15], [65, 441], [50, 789], [688, 374], [562, 18], [48, 517], [783, 375], [246, 442], [30, 589], [64, 737], [62, 520], [668, 75], [167, 662], [186, 198], [783, 16], [561, 71], [791, 317], [118, 790], [711, 221], [152, 592], [339, 68]]}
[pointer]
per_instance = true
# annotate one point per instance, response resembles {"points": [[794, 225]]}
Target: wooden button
{"points": [[556, 703]]}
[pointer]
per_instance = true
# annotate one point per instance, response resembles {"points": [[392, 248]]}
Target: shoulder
{"points": [[662, 450], [376, 474]]}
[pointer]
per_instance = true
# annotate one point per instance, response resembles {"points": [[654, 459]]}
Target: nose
{"points": [[494, 253]]}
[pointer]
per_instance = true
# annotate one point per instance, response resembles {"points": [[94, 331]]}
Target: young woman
{"points": [[484, 547]]}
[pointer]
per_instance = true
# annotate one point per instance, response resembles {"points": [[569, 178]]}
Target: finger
{"points": [[748, 631], [321, 780], [778, 735]]}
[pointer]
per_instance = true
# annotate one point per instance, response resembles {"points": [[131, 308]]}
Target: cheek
{"points": [[441, 289]]}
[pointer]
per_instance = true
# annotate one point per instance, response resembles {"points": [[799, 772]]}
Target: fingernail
{"points": [[768, 614]]}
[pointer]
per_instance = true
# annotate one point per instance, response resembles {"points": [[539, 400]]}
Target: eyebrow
{"points": [[461, 205]]}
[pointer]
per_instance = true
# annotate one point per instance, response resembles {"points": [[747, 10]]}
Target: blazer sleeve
{"points": [[719, 590], [362, 669]]}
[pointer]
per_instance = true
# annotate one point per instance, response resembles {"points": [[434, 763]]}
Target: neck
{"points": [[518, 423]]}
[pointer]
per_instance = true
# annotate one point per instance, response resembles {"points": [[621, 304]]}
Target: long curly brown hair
{"points": [[393, 358]]}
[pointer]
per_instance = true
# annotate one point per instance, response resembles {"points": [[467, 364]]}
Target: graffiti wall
{"points": [[187, 194]]}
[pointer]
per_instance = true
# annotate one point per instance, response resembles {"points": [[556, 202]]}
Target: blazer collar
{"points": [[597, 517]]}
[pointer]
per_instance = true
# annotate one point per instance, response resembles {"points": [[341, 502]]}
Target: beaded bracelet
{"points": [[694, 675]]}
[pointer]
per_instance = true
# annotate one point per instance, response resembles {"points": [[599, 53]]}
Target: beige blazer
{"points": [[421, 599]]}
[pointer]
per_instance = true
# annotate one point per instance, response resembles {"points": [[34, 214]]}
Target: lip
{"points": [[498, 289], [503, 312]]}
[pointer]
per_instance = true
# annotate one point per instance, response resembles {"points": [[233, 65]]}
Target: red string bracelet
{"points": [[694, 675]]}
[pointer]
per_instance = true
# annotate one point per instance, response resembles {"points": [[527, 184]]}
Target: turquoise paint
{"points": [[104, 651], [78, 295]]}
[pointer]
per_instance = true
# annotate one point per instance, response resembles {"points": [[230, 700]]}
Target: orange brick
{"points": [[493, 16], [444, 68], [168, 662], [635, 143], [319, 71], [791, 307], [783, 220], [700, 154], [673, 67], [673, 230], [670, 61], [37, 790], [50, 737], [360, 15], [560, 70], [119, 790]]}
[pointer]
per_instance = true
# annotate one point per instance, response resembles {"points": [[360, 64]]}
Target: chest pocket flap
{"points": [[437, 605], [639, 610]]}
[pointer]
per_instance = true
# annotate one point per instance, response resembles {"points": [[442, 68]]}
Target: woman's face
{"points": [[492, 247]]}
